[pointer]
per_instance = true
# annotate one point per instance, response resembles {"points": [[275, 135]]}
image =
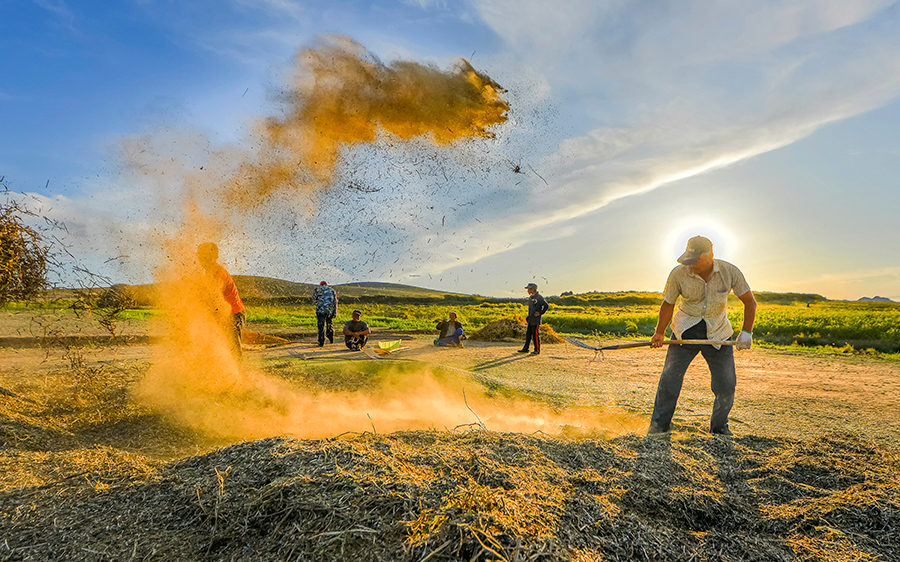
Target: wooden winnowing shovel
{"points": [[579, 343]]}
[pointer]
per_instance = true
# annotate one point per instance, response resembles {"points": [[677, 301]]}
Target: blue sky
{"points": [[771, 127]]}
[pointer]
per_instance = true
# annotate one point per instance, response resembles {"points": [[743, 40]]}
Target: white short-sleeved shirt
{"points": [[704, 300]]}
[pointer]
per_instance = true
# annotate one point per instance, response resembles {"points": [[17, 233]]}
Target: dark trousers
{"points": [[533, 332], [722, 375], [326, 328], [350, 341], [237, 327]]}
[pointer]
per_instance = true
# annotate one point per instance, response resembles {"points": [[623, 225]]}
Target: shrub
{"points": [[24, 254]]}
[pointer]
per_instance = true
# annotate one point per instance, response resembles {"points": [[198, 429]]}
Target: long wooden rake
{"points": [[628, 345]]}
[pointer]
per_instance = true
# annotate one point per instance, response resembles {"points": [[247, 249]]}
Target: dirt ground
{"points": [[809, 475], [780, 393]]}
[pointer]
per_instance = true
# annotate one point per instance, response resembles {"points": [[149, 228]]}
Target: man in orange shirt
{"points": [[208, 256]]}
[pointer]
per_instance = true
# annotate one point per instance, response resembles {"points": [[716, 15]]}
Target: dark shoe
{"points": [[535, 352], [655, 429], [330, 340], [321, 344], [722, 431], [523, 351]]}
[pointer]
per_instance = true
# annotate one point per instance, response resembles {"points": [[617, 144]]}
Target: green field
{"points": [[847, 327], [799, 321]]}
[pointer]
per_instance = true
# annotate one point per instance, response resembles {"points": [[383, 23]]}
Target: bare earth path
{"points": [[799, 481], [780, 393]]}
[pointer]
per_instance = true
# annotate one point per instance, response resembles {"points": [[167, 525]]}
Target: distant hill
{"points": [[875, 299], [252, 287], [765, 297], [268, 290]]}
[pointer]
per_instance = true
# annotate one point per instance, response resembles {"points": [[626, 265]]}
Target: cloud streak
{"points": [[608, 101], [690, 126]]}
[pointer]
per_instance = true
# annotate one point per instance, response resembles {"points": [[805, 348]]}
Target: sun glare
{"points": [[725, 245]]}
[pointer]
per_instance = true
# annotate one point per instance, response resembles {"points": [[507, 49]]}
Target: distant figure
{"points": [[537, 306], [326, 309], [356, 332], [703, 284], [208, 256], [450, 332]]}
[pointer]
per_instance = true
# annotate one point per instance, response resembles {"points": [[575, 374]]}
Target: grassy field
{"points": [[847, 327], [796, 320]]}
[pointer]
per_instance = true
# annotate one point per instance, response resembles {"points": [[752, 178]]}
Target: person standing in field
{"points": [[450, 332], [356, 332], [703, 283], [208, 256], [326, 309], [537, 306]]}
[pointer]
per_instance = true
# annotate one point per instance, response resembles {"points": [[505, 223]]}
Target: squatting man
{"points": [[704, 284], [356, 332], [450, 332]]}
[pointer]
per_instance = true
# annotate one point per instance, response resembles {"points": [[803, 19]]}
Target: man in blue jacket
{"points": [[326, 303], [537, 306]]}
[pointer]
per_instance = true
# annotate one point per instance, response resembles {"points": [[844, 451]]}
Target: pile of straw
{"points": [[513, 330], [443, 496]]}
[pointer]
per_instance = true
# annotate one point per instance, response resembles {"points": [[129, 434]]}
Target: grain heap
{"points": [[478, 496], [513, 329]]}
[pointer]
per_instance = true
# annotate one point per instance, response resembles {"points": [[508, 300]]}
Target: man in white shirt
{"points": [[704, 284]]}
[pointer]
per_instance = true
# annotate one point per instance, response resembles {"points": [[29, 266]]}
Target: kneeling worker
{"points": [[356, 332], [704, 284], [450, 332]]}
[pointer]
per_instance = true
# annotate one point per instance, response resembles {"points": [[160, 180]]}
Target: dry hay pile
{"points": [[478, 496], [67, 434], [259, 339], [513, 329]]}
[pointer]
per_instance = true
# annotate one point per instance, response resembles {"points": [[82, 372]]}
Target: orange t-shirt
{"points": [[229, 289]]}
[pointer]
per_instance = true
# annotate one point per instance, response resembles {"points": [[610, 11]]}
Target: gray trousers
{"points": [[722, 374]]}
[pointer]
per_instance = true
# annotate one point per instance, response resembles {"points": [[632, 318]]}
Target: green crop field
{"points": [[795, 320], [844, 326]]}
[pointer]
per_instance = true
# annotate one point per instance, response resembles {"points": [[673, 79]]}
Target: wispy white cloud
{"points": [[661, 93], [290, 9], [689, 122], [60, 11]]}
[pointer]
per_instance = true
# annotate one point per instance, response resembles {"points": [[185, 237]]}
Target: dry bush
{"points": [[513, 330], [25, 256]]}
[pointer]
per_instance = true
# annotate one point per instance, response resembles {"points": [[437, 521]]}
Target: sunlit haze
{"points": [[468, 146]]}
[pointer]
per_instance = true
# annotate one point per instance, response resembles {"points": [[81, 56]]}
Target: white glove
{"points": [[744, 341]]}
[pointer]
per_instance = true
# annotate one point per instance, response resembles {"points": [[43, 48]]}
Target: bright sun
{"points": [[725, 245]]}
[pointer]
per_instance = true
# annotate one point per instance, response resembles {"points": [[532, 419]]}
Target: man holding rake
{"points": [[704, 284]]}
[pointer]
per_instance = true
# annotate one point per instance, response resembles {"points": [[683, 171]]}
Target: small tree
{"points": [[24, 254]]}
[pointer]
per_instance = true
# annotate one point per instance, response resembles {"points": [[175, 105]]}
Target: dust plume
{"points": [[343, 95], [252, 405]]}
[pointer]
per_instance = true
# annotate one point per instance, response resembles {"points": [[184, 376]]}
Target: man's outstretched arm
{"points": [[666, 310], [745, 338], [749, 311]]}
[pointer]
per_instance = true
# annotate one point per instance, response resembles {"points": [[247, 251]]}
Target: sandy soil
{"points": [[780, 393], [74, 487]]}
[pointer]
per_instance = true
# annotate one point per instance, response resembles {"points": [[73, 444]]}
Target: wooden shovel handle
{"points": [[667, 342]]}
